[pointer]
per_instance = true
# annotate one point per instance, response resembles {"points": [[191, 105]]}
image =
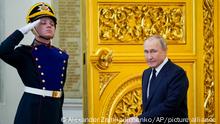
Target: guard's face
{"points": [[46, 27], [154, 54]]}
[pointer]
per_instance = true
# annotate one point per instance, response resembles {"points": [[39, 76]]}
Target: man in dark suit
{"points": [[164, 87]]}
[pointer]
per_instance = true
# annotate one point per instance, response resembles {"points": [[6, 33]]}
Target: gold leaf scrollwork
{"points": [[209, 91], [105, 78], [133, 23], [126, 101], [129, 106]]}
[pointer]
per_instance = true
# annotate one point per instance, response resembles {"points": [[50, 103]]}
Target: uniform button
{"points": [[39, 66], [44, 88], [60, 52], [36, 59], [63, 68], [35, 48], [42, 73], [61, 82], [64, 61], [43, 81], [62, 75]]}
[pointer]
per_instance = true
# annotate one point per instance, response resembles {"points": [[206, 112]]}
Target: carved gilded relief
{"points": [[208, 32], [132, 23], [126, 101], [129, 106], [105, 78]]}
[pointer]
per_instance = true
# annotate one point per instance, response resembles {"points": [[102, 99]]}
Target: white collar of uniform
{"points": [[161, 65]]}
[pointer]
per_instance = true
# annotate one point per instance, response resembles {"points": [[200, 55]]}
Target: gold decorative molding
{"points": [[105, 78], [208, 33], [126, 101], [132, 23]]}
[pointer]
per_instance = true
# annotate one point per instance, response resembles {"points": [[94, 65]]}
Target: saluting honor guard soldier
{"points": [[41, 66]]}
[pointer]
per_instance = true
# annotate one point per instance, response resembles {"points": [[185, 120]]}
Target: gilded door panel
{"points": [[116, 30], [123, 95]]}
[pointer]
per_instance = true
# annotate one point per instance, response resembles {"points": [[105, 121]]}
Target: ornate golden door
{"points": [[115, 30]]}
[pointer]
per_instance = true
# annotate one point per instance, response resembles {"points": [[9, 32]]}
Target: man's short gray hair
{"points": [[161, 40]]}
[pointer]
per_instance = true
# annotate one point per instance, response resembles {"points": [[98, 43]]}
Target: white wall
{"points": [[13, 15]]}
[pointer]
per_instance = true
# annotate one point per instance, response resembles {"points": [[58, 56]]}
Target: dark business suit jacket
{"points": [[167, 101]]}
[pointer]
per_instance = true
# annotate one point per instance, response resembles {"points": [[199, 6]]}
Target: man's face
{"points": [[46, 27], [154, 54]]}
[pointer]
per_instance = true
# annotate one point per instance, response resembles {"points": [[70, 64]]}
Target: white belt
{"points": [[36, 91]]}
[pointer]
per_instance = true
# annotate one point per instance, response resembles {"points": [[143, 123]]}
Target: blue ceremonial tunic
{"points": [[42, 67], [51, 64]]}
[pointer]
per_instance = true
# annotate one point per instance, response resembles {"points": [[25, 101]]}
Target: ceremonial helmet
{"points": [[39, 10]]}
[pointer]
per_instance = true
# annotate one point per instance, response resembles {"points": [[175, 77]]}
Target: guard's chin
{"points": [[49, 36]]}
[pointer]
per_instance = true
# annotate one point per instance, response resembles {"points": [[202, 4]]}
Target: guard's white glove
{"points": [[29, 26]]}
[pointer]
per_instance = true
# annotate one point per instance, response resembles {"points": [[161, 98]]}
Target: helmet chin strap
{"points": [[44, 37], [35, 32]]}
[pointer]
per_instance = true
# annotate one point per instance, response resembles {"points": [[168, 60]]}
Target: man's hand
{"points": [[29, 26], [132, 120]]}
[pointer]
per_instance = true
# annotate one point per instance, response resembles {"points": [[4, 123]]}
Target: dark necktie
{"points": [[151, 81]]}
